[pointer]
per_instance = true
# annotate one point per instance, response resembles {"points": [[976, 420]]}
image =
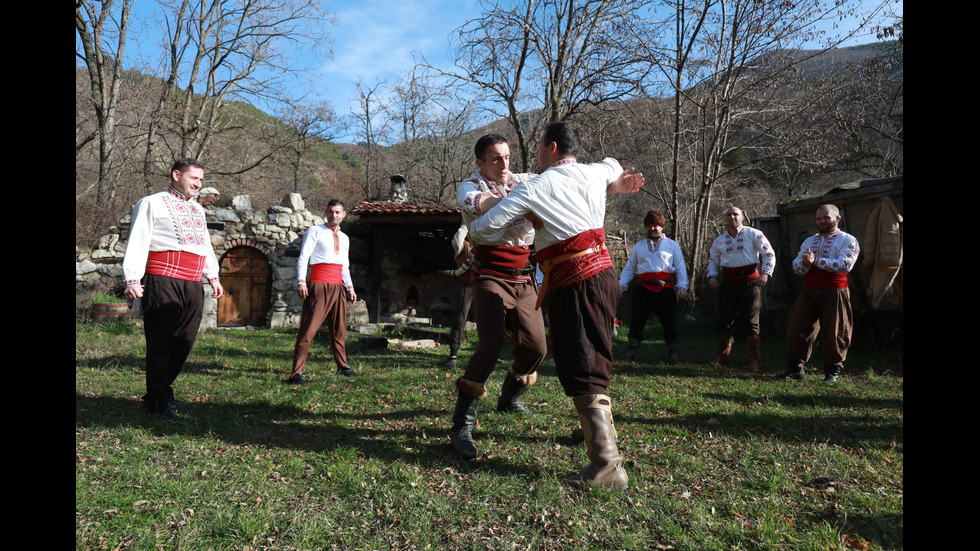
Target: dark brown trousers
{"points": [[582, 326], [172, 310], [826, 312]]}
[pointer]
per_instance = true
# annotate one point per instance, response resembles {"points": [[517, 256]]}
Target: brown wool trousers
{"points": [[326, 302]]}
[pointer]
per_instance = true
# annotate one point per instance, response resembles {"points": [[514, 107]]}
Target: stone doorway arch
{"points": [[247, 279]]}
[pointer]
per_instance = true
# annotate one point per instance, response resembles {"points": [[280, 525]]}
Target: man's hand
{"points": [[219, 291], [713, 282], [487, 202], [681, 293], [763, 279], [302, 291], [808, 258], [628, 182], [353, 296], [534, 220], [134, 292]]}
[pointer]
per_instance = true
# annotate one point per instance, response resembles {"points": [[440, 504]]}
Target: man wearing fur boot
{"points": [[568, 205], [504, 296]]}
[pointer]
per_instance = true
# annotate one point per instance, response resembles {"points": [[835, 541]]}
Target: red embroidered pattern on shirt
{"points": [[189, 224]]}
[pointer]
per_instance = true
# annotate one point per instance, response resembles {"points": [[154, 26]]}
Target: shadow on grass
{"points": [[858, 430], [388, 436]]}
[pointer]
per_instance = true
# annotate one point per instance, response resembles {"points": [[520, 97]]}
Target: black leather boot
{"points": [[464, 417], [510, 394], [795, 371]]}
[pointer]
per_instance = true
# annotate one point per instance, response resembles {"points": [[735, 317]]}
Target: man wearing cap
{"points": [[504, 295], [824, 304], [325, 295], [168, 252], [658, 263], [568, 201]]}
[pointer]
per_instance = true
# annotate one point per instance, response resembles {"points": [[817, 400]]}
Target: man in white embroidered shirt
{"points": [[504, 296], [568, 200], [824, 304], [169, 250], [325, 254], [740, 263], [658, 264]]}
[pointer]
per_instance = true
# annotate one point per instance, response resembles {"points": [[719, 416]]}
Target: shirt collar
{"points": [[565, 161], [176, 193]]}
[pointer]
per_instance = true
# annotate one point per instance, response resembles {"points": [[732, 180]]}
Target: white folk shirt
{"points": [[318, 248], [569, 197], [519, 232], [662, 255], [748, 245], [835, 253], [167, 221]]}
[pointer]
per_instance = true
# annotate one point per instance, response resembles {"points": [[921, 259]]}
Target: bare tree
{"points": [[102, 31], [545, 60], [312, 124], [432, 153], [220, 51], [372, 123]]}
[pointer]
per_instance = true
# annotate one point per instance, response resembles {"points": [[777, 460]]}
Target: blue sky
{"points": [[379, 40]]}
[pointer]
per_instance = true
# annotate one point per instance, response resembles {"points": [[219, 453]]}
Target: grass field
{"points": [[717, 458]]}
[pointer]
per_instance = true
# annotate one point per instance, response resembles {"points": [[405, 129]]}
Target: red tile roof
{"points": [[414, 206]]}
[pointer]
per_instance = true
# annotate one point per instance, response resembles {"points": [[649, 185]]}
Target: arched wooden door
{"points": [[246, 277]]}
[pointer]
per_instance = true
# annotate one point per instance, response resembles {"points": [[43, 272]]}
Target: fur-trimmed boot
{"points": [[512, 389], [464, 417], [753, 351], [724, 348], [605, 464]]}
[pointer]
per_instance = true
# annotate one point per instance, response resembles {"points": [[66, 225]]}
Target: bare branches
{"points": [[543, 61]]}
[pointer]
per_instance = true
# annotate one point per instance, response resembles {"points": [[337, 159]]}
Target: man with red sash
{"points": [[743, 260], [325, 256], [504, 295], [824, 304], [568, 204], [658, 263], [169, 250]]}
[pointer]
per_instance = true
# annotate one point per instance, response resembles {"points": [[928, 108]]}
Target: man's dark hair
{"points": [[334, 203], [480, 149], [654, 216], [565, 135], [182, 164]]}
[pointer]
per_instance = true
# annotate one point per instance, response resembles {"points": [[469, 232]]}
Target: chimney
{"points": [[399, 189]]}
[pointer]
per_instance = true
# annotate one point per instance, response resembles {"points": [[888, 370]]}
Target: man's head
{"points": [[493, 157], [187, 176], [654, 222], [734, 217], [828, 216], [558, 141], [335, 213]]}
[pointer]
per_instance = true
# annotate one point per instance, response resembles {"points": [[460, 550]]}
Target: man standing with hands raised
{"points": [[824, 304]]}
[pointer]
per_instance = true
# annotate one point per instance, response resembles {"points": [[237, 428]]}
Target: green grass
{"points": [[717, 458]]}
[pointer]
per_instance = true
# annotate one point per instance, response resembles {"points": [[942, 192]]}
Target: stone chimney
{"points": [[399, 189]]}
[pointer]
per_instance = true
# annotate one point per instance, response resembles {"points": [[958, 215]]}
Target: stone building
{"points": [[397, 249]]}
